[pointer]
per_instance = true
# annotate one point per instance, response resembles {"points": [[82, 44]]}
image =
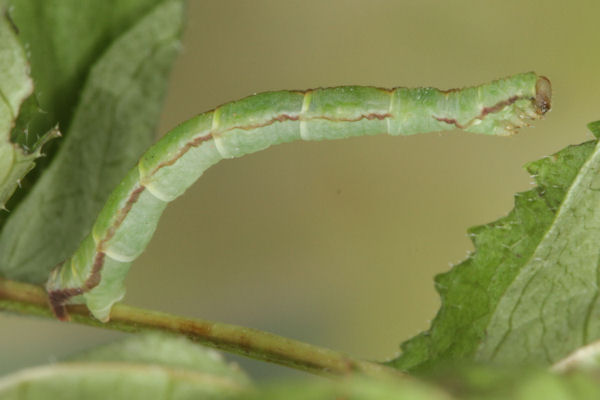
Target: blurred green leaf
{"points": [[529, 293], [15, 87], [520, 383], [352, 388], [167, 350], [157, 366], [467, 383], [113, 123], [146, 367]]}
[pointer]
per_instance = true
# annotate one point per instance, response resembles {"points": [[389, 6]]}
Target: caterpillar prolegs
{"points": [[94, 274]]}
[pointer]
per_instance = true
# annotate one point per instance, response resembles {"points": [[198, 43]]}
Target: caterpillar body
{"points": [[94, 274]]}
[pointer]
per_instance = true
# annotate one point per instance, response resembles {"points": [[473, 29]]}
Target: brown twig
{"points": [[27, 299]]}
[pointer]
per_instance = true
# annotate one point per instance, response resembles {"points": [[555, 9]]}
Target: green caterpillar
{"points": [[94, 274]]}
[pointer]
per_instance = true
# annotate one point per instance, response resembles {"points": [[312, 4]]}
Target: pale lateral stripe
{"points": [[305, 105], [118, 257], [74, 271], [157, 193], [480, 104], [390, 111], [151, 188], [214, 129]]}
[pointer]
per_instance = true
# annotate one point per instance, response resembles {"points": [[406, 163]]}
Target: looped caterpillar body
{"points": [[94, 274]]}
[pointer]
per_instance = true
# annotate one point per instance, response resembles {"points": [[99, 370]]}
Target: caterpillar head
{"points": [[543, 95]]}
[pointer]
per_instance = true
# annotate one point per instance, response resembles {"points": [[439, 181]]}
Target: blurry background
{"points": [[336, 243]]}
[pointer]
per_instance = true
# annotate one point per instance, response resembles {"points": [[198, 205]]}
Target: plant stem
{"points": [[27, 299]]}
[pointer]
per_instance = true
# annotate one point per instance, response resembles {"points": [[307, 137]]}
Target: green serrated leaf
{"points": [[15, 86], [113, 123], [529, 292], [146, 367]]}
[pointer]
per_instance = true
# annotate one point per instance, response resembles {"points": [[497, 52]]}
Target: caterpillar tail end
{"points": [[58, 304], [58, 297], [543, 95], [61, 293]]}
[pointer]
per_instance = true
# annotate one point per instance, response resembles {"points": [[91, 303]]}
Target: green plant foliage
{"points": [[157, 366], [594, 127], [528, 295], [15, 85], [529, 292], [146, 367], [166, 350], [61, 57], [113, 122], [352, 388], [521, 383], [62, 39]]}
